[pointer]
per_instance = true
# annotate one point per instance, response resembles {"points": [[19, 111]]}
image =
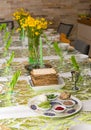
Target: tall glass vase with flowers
{"points": [[34, 28]]}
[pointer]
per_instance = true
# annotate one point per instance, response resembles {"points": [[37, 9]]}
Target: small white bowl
{"points": [[59, 108], [52, 97], [68, 103]]}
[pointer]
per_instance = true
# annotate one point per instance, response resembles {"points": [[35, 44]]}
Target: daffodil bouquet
{"points": [[19, 16], [34, 28]]}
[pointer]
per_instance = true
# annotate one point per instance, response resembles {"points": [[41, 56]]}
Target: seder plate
{"points": [[50, 112]]}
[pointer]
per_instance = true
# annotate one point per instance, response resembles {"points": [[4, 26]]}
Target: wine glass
{"points": [[75, 78]]}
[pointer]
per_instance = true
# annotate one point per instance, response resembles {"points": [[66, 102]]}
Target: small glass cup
{"points": [[75, 79]]}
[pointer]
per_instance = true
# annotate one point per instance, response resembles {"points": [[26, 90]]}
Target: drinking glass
{"points": [[75, 79]]}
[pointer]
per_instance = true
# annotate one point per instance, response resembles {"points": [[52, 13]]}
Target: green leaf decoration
{"points": [[14, 80], [58, 51], [45, 104], [74, 63], [6, 36], [46, 39], [48, 42], [8, 43], [41, 53], [3, 26], [22, 34], [11, 58]]}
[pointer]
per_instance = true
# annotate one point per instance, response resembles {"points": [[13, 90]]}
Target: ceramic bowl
{"points": [[59, 108], [68, 103], [52, 97]]}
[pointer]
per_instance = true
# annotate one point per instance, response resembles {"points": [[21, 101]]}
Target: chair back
{"points": [[65, 28], [81, 46]]}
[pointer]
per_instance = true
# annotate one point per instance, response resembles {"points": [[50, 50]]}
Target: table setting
{"points": [[68, 108]]}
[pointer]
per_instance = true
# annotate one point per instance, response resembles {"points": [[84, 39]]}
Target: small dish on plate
{"points": [[52, 96], [59, 108], [68, 103], [81, 127]]}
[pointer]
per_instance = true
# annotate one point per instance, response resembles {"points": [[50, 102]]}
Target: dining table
{"points": [[15, 112]]}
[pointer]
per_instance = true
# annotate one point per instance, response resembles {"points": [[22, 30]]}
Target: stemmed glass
{"points": [[75, 78]]}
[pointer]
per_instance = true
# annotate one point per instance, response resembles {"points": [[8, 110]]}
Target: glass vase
{"points": [[33, 51]]}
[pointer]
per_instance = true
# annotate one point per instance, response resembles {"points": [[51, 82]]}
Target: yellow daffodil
{"points": [[33, 26]]}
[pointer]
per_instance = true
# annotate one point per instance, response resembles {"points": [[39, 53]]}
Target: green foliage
{"points": [[45, 104], [74, 63], [41, 63], [6, 36], [3, 26], [11, 58], [58, 51], [76, 68], [14, 79], [47, 40], [8, 43]]}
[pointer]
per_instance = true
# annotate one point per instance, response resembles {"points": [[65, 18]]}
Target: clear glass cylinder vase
{"points": [[33, 51]]}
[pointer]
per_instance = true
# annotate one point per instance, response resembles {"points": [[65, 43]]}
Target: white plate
{"points": [[81, 57], [48, 87], [65, 75], [64, 46], [50, 113], [81, 127]]}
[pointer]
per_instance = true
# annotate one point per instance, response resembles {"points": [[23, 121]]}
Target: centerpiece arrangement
{"points": [[33, 27]]}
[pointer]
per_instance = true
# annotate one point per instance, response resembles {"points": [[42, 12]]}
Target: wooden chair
{"points": [[81, 46], [11, 22], [65, 28]]}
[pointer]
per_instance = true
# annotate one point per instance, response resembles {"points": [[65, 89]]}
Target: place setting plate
{"points": [[55, 107]]}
